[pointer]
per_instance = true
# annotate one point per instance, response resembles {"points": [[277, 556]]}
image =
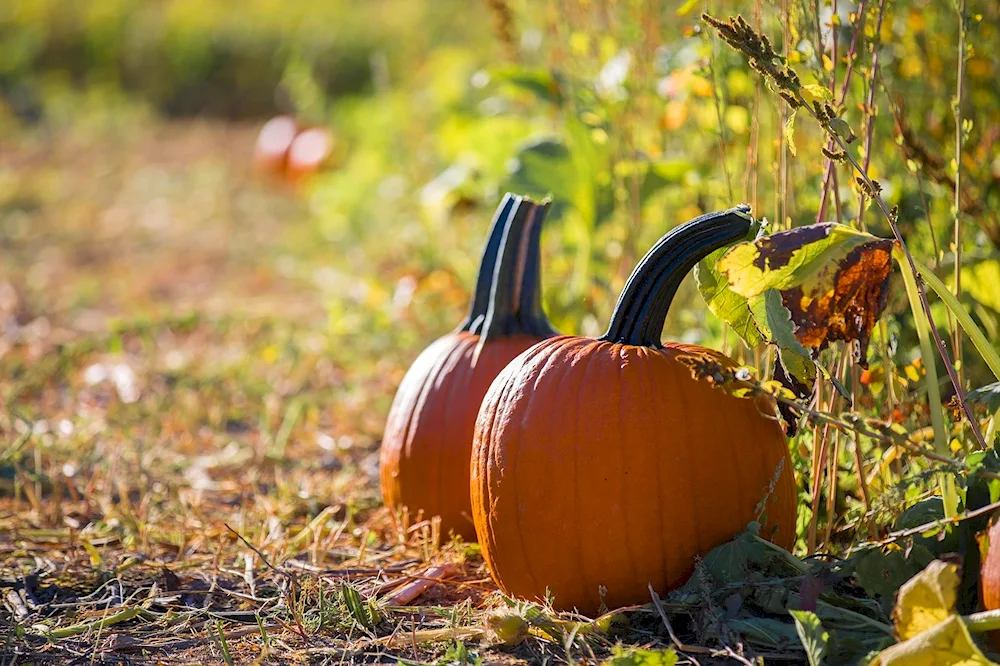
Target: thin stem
{"points": [[857, 424], [851, 58], [897, 115], [891, 218], [870, 104], [722, 126], [859, 463], [956, 333]]}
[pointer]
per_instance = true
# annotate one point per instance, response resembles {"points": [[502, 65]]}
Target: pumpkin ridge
{"points": [[689, 450], [660, 496], [737, 460], [414, 399], [489, 464], [466, 348], [626, 456], [482, 469], [582, 564], [420, 412], [554, 347]]}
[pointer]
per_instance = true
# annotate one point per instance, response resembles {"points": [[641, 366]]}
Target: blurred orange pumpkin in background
{"points": [[273, 142], [308, 153]]}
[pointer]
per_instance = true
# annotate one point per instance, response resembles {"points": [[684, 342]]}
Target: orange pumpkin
{"points": [[427, 445], [273, 142], [601, 466], [307, 153]]}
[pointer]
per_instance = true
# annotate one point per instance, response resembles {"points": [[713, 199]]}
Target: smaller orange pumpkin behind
{"points": [[427, 445]]}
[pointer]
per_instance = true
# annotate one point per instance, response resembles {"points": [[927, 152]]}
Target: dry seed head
{"points": [[760, 54]]}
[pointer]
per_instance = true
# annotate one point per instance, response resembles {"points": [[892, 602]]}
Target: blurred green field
{"points": [[193, 353]]}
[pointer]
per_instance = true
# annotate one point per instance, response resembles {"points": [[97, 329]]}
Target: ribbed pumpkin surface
{"points": [[618, 472], [428, 434]]}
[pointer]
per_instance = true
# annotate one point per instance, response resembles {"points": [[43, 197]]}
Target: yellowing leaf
{"points": [[946, 644], [927, 599], [789, 132], [686, 8], [832, 280], [95, 556], [817, 91], [787, 258]]}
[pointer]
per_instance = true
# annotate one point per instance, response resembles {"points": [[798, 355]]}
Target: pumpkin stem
{"points": [[644, 302], [487, 265], [515, 306]]}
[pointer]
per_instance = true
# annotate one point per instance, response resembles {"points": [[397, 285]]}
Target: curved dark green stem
{"points": [[515, 306], [643, 305], [487, 265]]}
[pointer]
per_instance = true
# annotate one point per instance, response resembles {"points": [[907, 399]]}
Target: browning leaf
{"points": [[832, 280], [846, 306]]}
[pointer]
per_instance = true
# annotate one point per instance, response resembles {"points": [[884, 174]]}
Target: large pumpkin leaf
{"points": [[932, 633], [832, 281]]}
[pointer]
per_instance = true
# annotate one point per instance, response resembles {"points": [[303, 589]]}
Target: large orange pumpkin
{"points": [[427, 445], [601, 466]]}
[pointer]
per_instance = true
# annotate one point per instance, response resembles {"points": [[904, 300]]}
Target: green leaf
{"points": [[622, 657], [840, 127], [573, 172], [725, 303], [789, 132], [818, 91], [665, 172], [882, 572], [779, 322], [765, 632], [541, 82], [832, 281], [988, 396], [544, 167], [814, 638], [799, 367], [789, 258], [356, 606]]}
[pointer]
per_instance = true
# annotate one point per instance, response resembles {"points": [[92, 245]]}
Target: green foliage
{"points": [[623, 657], [814, 638]]}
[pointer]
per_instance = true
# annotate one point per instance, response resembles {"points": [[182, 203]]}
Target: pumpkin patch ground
{"points": [[449, 333]]}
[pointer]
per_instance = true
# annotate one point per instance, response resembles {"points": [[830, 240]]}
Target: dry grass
{"points": [[188, 458]]}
